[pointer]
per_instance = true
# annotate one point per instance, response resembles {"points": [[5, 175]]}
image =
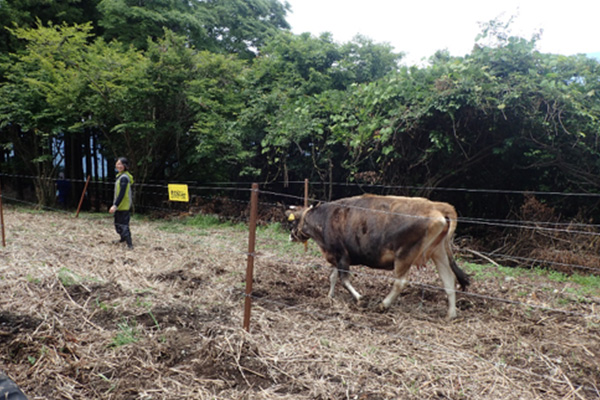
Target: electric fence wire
{"points": [[367, 275], [496, 223]]}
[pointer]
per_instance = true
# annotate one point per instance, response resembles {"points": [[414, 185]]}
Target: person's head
{"points": [[122, 164], [61, 175]]}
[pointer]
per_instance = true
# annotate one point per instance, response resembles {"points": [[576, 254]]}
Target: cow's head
{"points": [[295, 219]]}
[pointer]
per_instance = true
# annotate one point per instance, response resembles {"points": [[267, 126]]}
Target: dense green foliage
{"points": [[222, 91]]}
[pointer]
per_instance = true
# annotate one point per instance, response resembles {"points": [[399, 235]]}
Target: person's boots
{"points": [[9, 389]]}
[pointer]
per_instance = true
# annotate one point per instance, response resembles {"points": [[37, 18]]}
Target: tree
{"points": [[300, 86], [25, 14], [364, 61], [232, 26], [38, 95], [217, 97]]}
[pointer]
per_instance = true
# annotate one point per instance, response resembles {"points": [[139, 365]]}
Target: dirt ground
{"points": [[83, 318]]}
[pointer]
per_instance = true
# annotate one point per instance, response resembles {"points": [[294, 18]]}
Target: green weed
{"points": [[68, 277], [127, 335], [102, 305], [32, 279]]}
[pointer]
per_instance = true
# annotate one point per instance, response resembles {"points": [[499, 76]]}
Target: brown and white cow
{"points": [[383, 232]]}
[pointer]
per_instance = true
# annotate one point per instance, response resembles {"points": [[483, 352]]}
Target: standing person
{"points": [[123, 201]]}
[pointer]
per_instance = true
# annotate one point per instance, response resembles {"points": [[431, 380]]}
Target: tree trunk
{"points": [[97, 174], [88, 166]]}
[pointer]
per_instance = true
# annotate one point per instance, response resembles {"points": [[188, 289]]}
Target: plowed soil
{"points": [[83, 318]]}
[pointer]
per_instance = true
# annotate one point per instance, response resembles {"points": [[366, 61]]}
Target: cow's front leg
{"points": [[346, 283], [344, 275]]}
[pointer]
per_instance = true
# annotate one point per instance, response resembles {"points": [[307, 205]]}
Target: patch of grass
{"points": [[32, 279], [590, 283], [554, 276], [201, 222], [277, 238], [171, 227], [127, 334], [68, 277], [480, 271], [29, 210], [207, 221], [273, 231], [586, 284], [102, 305]]}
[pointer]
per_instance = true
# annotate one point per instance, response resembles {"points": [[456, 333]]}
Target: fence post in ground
{"points": [[251, 254], [2, 218], [306, 205], [83, 195]]}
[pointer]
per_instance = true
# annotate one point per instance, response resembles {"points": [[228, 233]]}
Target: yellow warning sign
{"points": [[178, 192]]}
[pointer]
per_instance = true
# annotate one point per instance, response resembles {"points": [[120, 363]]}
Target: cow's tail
{"points": [[461, 276]]}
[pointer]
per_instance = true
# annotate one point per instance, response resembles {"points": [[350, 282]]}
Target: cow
{"points": [[382, 232]]}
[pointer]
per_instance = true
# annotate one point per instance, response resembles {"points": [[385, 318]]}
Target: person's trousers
{"points": [[122, 226]]}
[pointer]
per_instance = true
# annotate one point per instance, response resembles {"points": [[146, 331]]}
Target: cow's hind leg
{"points": [[442, 262], [333, 278]]}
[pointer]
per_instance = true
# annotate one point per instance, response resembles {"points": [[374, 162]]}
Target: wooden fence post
{"points": [[83, 195], [251, 254], [2, 218], [306, 205]]}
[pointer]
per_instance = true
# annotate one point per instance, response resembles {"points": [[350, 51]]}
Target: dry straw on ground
{"points": [[82, 318]]}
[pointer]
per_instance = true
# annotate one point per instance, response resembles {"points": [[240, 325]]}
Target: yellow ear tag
{"points": [[291, 217]]}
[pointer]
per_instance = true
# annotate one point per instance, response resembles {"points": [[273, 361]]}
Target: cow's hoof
{"points": [[450, 317], [382, 308]]}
